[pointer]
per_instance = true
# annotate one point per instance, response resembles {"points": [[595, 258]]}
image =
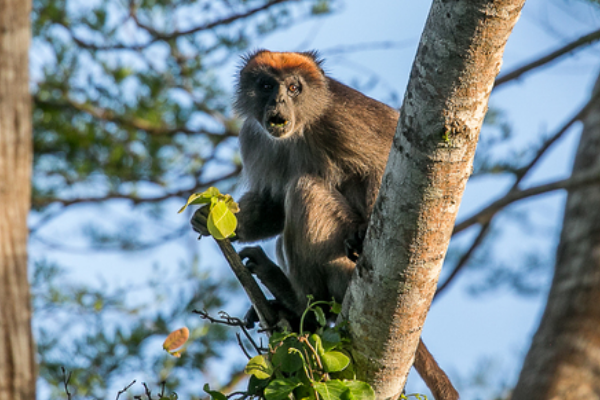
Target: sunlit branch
{"points": [[575, 45]]}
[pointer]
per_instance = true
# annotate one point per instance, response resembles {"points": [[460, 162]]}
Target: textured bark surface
{"points": [[458, 59], [564, 359], [17, 367]]}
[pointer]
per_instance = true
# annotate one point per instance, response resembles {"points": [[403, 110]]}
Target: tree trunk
{"points": [[564, 359], [17, 367], [431, 159]]}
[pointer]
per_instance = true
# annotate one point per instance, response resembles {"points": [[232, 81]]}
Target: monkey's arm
{"points": [[261, 216]]}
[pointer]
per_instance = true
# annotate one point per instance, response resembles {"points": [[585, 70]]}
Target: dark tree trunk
{"points": [[564, 359], [17, 367]]}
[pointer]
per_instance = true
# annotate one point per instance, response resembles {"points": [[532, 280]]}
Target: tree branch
{"points": [[523, 171], [575, 45], [464, 259], [133, 122], [161, 36], [137, 200], [265, 312], [486, 215]]}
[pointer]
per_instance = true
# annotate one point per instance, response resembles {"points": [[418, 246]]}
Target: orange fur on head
{"points": [[286, 62]]}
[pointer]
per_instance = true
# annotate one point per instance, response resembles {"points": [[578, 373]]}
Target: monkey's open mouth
{"points": [[277, 121]]}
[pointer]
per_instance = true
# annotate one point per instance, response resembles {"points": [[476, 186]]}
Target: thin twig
{"points": [[239, 340], [147, 391], [126, 388], [523, 171], [464, 259], [230, 321], [515, 74], [66, 379]]}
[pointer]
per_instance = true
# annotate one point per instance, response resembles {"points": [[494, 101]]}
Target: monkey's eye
{"points": [[266, 87], [294, 88]]}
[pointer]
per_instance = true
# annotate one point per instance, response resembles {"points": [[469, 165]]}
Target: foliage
{"points": [[221, 221], [305, 365]]}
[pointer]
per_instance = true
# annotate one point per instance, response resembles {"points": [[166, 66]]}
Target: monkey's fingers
{"points": [[199, 221], [255, 257], [251, 318]]}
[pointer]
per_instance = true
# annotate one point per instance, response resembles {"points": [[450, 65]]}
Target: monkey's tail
{"points": [[436, 379]]}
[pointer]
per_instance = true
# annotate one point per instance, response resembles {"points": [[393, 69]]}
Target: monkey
{"points": [[313, 152]]}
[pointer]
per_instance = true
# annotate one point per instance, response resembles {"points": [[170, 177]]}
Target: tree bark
{"points": [[17, 367], [431, 159], [564, 359]]}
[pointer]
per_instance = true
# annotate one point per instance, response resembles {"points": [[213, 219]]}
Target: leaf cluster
{"points": [[221, 222], [305, 365]]}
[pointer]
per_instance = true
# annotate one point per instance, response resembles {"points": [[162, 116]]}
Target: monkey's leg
{"points": [[271, 276], [318, 220]]}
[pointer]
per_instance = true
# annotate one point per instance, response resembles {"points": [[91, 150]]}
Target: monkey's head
{"points": [[284, 92]]}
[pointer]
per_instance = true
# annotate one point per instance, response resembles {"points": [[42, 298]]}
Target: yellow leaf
{"points": [[176, 339], [221, 222]]}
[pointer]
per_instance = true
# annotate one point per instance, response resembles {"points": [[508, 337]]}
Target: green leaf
{"points": [[331, 390], [200, 198], [336, 307], [221, 222], [320, 316], [335, 361], [256, 386], [360, 390], [214, 394], [280, 389], [279, 337], [331, 339], [259, 367], [317, 344], [286, 360]]}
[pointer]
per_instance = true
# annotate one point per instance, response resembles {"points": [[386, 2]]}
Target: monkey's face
{"points": [[280, 98], [282, 91]]}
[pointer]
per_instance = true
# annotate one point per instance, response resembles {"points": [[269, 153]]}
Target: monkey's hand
{"points": [[283, 313], [199, 221], [353, 244]]}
